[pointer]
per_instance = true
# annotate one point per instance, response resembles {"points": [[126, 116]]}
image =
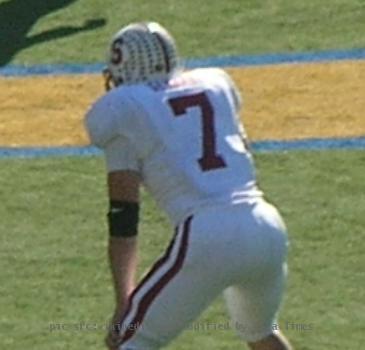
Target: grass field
{"points": [[54, 268], [55, 31], [53, 233]]}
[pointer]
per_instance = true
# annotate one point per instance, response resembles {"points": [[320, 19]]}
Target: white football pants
{"points": [[239, 250]]}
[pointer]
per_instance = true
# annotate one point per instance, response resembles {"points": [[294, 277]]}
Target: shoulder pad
{"points": [[106, 117]]}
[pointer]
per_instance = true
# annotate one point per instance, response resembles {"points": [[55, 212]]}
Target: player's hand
{"points": [[113, 338]]}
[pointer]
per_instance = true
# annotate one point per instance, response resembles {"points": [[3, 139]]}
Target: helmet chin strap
{"points": [[108, 80]]}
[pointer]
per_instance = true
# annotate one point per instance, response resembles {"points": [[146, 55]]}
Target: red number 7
{"points": [[210, 159]]}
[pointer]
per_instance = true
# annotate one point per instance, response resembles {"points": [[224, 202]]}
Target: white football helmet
{"points": [[141, 52]]}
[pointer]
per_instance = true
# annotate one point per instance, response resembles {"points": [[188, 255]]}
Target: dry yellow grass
{"points": [[301, 101], [46, 110], [281, 102]]}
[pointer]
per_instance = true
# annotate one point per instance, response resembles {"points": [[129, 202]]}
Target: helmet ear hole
{"points": [[159, 68]]}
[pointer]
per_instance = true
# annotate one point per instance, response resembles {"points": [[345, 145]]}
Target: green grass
{"points": [[202, 28], [54, 266], [53, 233]]}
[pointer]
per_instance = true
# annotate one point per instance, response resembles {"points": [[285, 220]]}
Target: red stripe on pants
{"points": [[153, 292], [156, 266]]}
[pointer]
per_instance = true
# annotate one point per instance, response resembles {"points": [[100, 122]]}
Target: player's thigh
{"points": [[171, 296], [178, 305], [253, 306]]}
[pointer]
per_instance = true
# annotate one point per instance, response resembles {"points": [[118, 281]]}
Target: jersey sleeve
{"points": [[109, 123], [101, 122], [236, 98], [224, 80], [232, 88], [121, 155]]}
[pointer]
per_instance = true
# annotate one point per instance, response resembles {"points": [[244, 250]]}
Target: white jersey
{"points": [[183, 137]]}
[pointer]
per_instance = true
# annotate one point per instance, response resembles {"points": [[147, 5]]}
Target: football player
{"points": [[178, 133]]}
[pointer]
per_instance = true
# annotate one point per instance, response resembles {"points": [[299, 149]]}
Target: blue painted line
{"points": [[280, 58], [310, 144], [220, 61], [259, 146], [44, 152], [50, 69]]}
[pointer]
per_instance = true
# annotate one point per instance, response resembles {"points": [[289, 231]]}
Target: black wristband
{"points": [[123, 218]]}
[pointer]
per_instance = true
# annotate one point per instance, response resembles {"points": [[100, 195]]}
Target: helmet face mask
{"points": [[140, 52]]}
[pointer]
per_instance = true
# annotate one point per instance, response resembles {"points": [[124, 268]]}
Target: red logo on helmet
{"points": [[117, 53]]}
